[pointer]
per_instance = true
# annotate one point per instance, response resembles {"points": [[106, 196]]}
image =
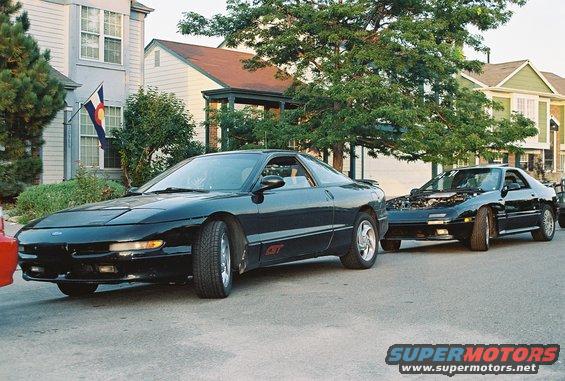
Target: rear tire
{"points": [[364, 245], [480, 237], [77, 289], [392, 245], [546, 229], [213, 275]]}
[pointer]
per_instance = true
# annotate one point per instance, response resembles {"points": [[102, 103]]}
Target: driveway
{"points": [[308, 320]]}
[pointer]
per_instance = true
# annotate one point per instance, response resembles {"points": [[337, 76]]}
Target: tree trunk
{"points": [[337, 151]]}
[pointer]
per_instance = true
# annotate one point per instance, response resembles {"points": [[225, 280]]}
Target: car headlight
{"points": [[133, 246]]}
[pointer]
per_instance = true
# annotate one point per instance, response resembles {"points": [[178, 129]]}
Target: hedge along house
{"points": [[91, 41], [519, 87], [207, 78]]}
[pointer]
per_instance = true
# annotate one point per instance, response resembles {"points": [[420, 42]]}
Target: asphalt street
{"points": [[307, 320]]}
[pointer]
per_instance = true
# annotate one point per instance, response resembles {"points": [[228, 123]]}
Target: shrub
{"points": [[41, 200], [157, 133]]}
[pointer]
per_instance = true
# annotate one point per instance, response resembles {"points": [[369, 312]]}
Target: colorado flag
{"points": [[95, 108]]}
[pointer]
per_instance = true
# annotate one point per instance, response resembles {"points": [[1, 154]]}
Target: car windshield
{"points": [[479, 179], [226, 172]]}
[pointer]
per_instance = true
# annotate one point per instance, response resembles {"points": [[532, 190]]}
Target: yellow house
{"points": [[520, 87]]}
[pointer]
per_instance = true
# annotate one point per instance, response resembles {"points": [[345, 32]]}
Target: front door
{"points": [[297, 219], [521, 205]]}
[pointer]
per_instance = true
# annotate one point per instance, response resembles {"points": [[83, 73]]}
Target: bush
{"points": [[157, 133], [41, 200]]}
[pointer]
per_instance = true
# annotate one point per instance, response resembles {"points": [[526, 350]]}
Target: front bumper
{"points": [[77, 254], [423, 231], [56, 264]]}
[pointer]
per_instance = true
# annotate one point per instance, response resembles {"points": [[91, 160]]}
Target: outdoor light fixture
{"points": [[134, 246]]}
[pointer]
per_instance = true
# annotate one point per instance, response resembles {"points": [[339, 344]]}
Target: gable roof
{"points": [[493, 74], [557, 81], [226, 67], [496, 75], [137, 6]]}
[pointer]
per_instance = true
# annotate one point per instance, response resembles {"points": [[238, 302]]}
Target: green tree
{"points": [[158, 132], [380, 73], [30, 98]]}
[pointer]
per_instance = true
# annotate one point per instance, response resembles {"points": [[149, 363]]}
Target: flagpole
{"points": [[82, 104]]}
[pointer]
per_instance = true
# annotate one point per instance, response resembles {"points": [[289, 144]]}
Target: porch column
{"points": [[207, 125]]}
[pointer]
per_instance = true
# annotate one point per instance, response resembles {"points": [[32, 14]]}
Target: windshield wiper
{"points": [[467, 189], [180, 190]]}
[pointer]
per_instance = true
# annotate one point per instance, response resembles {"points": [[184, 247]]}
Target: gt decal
{"points": [[274, 249]]}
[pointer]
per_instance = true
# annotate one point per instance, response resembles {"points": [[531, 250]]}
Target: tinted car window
{"points": [[486, 179], [515, 177], [226, 172], [324, 172], [290, 169]]}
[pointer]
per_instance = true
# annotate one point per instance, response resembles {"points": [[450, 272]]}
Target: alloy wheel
{"points": [[366, 240], [225, 259], [548, 223]]}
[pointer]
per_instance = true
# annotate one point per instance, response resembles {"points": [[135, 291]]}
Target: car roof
{"points": [[259, 151], [486, 166]]}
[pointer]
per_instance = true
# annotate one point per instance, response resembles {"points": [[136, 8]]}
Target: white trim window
{"points": [[527, 105], [101, 35], [91, 155]]}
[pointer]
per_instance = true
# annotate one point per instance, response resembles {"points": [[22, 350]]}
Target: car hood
{"points": [[430, 200], [149, 208]]}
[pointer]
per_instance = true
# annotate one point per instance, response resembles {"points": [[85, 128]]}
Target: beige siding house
{"points": [[204, 75], [206, 78], [91, 42]]}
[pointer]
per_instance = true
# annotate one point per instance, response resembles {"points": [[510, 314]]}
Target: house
{"points": [[206, 78], [91, 42], [520, 87]]}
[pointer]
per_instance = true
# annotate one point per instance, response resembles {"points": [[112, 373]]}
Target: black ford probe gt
{"points": [[473, 205], [208, 217]]}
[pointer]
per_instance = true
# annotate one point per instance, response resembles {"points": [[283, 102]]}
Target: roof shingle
{"points": [[556, 81], [226, 67], [493, 74]]}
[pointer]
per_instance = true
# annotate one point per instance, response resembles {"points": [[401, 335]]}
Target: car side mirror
{"points": [[132, 191], [270, 182], [508, 188]]}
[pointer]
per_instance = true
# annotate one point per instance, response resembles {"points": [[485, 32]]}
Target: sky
{"points": [[535, 32]]}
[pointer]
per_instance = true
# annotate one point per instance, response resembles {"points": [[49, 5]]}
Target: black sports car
{"points": [[473, 205], [208, 217]]}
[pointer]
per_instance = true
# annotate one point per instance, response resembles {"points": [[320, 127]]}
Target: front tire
{"points": [[546, 229], [77, 289], [480, 237], [213, 275], [392, 245], [364, 246]]}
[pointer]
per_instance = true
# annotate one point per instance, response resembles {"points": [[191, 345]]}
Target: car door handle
{"points": [[329, 195]]}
